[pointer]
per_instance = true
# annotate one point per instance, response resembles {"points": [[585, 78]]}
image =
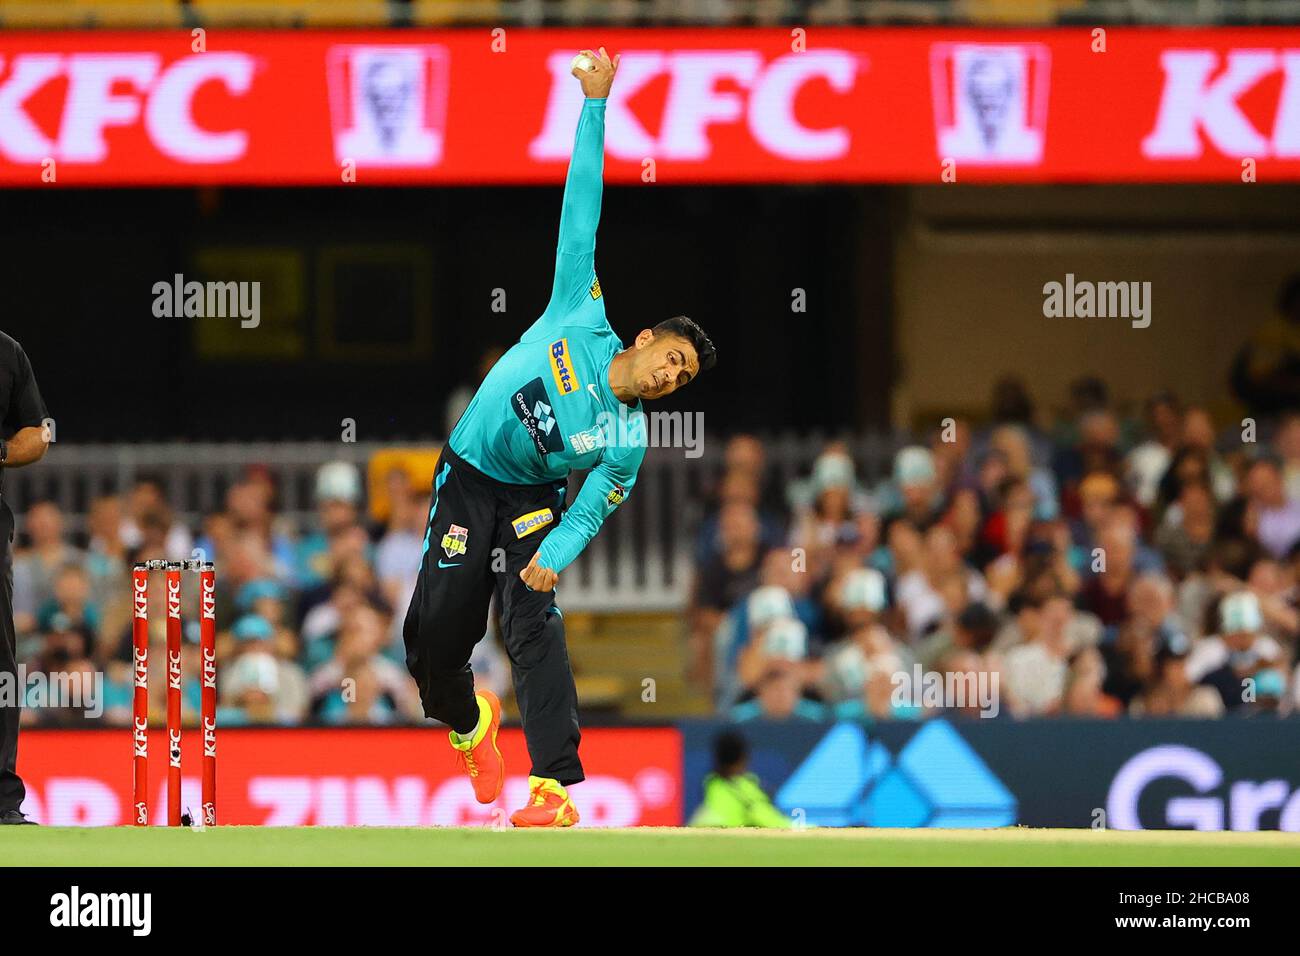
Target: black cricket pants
{"points": [[473, 550], [12, 792]]}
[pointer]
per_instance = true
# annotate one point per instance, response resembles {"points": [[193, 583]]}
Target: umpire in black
{"points": [[23, 425]]}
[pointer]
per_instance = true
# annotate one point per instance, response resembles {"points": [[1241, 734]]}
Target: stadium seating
{"points": [[294, 13], [79, 14]]}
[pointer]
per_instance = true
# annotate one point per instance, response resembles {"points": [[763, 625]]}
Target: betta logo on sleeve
{"points": [[566, 380]]}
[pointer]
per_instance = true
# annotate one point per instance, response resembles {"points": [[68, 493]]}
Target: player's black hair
{"points": [[690, 330], [730, 751]]}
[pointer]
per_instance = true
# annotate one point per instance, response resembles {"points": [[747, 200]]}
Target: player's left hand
{"points": [[597, 81], [537, 577]]}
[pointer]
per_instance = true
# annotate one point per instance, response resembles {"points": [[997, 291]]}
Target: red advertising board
{"points": [[846, 104], [344, 777]]}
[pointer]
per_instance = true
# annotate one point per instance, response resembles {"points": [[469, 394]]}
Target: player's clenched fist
{"points": [[595, 71], [538, 578]]}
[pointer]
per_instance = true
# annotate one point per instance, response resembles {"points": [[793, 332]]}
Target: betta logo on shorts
{"points": [[595, 289], [388, 104], [455, 541], [616, 496], [526, 524], [566, 380]]}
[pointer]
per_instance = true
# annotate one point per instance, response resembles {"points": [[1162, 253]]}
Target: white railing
{"points": [[641, 560]]}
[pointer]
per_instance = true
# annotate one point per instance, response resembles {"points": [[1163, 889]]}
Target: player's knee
{"points": [[531, 637], [442, 693]]}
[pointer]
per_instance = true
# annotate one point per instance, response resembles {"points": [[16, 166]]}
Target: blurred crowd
{"points": [[1145, 564], [309, 624], [1109, 564]]}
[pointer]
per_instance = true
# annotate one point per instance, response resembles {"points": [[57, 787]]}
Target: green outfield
{"points": [[360, 846]]}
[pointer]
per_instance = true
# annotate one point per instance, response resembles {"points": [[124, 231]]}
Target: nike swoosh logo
{"points": [[592, 388], [444, 564]]}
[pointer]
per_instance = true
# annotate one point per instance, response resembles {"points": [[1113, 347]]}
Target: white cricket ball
{"points": [[583, 62]]}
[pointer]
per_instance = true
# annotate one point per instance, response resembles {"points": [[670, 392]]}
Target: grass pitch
{"points": [[401, 846]]}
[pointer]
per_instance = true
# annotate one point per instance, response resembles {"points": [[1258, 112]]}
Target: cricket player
{"points": [[566, 396]]}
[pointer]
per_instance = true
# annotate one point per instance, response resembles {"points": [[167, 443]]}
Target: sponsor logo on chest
{"points": [[566, 379], [532, 407]]}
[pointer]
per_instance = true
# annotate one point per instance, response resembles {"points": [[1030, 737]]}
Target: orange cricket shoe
{"points": [[548, 805], [480, 756]]}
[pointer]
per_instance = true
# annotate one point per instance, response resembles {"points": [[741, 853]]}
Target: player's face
{"points": [[663, 365]]}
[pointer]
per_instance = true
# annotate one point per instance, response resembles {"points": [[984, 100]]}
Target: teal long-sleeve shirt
{"points": [[546, 407]]}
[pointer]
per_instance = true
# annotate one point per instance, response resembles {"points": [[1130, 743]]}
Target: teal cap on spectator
{"points": [[767, 604], [254, 591], [914, 465], [1269, 683], [863, 589], [338, 481], [253, 627], [832, 470], [787, 638], [1240, 612]]}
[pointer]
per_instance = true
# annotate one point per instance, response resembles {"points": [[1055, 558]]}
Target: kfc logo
{"points": [[1192, 104], [209, 737], [106, 90], [209, 598], [990, 101], [140, 656], [142, 598], [388, 104], [694, 103], [141, 737], [209, 668]]}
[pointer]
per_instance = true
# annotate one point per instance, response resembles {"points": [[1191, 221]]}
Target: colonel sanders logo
{"points": [[990, 101], [388, 104]]}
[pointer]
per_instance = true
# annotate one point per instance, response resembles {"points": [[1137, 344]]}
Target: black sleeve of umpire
{"points": [[26, 407]]}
